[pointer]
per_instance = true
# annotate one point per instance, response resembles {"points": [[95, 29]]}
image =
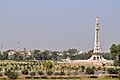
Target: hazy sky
{"points": [[58, 24]]}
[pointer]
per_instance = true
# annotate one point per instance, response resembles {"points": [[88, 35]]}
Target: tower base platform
{"points": [[97, 57]]}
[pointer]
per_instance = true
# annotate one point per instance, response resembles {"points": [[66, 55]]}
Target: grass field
{"points": [[31, 66], [78, 79]]}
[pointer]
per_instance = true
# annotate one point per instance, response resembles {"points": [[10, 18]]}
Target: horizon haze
{"points": [[58, 24]]}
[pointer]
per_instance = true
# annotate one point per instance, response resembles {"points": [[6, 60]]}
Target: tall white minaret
{"points": [[97, 41], [97, 51]]}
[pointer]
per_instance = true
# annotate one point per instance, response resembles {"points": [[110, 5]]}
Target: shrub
{"points": [[57, 73], [83, 68], [116, 63], [62, 73], [99, 68], [49, 72], [1, 74], [40, 72], [5, 64], [33, 73], [93, 67], [28, 67], [1, 69], [104, 69], [11, 68], [12, 75], [16, 68], [20, 68], [93, 77], [25, 71], [68, 73], [89, 70], [7, 71], [113, 70]]}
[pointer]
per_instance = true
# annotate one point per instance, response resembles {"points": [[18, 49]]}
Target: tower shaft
{"points": [[97, 41]]}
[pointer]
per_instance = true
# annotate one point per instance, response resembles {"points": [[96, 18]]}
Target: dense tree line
{"points": [[73, 54]]}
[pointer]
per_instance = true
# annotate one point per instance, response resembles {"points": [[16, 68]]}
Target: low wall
{"points": [[88, 62]]}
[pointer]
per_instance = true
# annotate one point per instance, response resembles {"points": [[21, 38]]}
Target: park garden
{"points": [[45, 65], [50, 70]]}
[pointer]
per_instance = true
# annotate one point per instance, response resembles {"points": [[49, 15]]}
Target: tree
{"points": [[116, 63], [45, 55], [17, 56], [5, 56], [1, 57], [115, 51], [54, 56], [70, 53], [65, 55], [108, 56], [36, 54]]}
